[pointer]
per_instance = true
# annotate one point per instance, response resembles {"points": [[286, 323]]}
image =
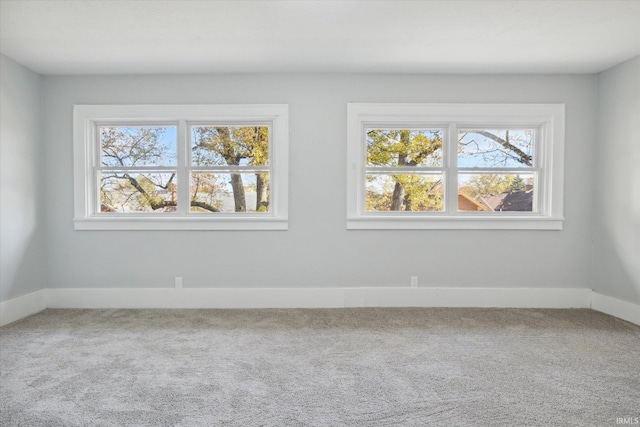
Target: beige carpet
{"points": [[328, 367]]}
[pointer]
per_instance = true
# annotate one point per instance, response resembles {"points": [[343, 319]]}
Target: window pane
{"points": [[404, 147], [495, 192], [230, 192], [495, 148], [138, 192], [410, 192], [229, 145], [138, 145]]}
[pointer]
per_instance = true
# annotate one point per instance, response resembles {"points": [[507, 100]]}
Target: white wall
{"points": [[317, 250], [22, 267], [616, 263]]}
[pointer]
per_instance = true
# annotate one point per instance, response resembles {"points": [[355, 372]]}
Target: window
{"points": [[470, 166], [187, 167]]}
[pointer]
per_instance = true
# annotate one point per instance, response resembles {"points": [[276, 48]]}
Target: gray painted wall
{"points": [[318, 250], [22, 267], [617, 164]]}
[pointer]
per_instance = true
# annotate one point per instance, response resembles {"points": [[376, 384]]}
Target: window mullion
{"points": [[542, 191], [94, 153], [451, 173], [184, 161], [231, 169], [512, 171], [403, 169]]}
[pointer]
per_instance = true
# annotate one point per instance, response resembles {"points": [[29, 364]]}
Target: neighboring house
{"points": [[518, 201], [106, 208], [491, 201], [515, 201], [467, 204]]}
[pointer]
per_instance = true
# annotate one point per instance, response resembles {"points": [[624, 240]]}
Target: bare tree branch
{"points": [[522, 156]]}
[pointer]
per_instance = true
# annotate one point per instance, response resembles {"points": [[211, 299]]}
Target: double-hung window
{"points": [[470, 166], [219, 167]]}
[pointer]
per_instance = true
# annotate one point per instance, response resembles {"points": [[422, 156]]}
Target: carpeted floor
{"points": [[325, 367]]}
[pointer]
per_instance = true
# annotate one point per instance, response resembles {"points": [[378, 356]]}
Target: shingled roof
{"points": [[520, 201]]}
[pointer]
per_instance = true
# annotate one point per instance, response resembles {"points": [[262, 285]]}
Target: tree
{"points": [[517, 184], [235, 146], [131, 147], [495, 149], [419, 192], [404, 148], [486, 184], [508, 147]]}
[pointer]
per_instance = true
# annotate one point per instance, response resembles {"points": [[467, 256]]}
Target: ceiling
{"points": [[56, 37]]}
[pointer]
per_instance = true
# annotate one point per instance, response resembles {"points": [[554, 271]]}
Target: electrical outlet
{"points": [[414, 281], [178, 282]]}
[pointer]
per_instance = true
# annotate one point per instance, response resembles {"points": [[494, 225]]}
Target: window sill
{"points": [[149, 223], [454, 223]]}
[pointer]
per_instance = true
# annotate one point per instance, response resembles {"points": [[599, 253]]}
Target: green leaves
{"points": [[230, 146], [403, 147]]}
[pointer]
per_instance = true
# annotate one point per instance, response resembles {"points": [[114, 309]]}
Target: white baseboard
{"points": [[318, 297], [23, 306], [193, 298], [616, 307], [26, 305]]}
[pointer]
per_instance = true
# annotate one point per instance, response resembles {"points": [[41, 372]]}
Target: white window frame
{"points": [[86, 142], [548, 119]]}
